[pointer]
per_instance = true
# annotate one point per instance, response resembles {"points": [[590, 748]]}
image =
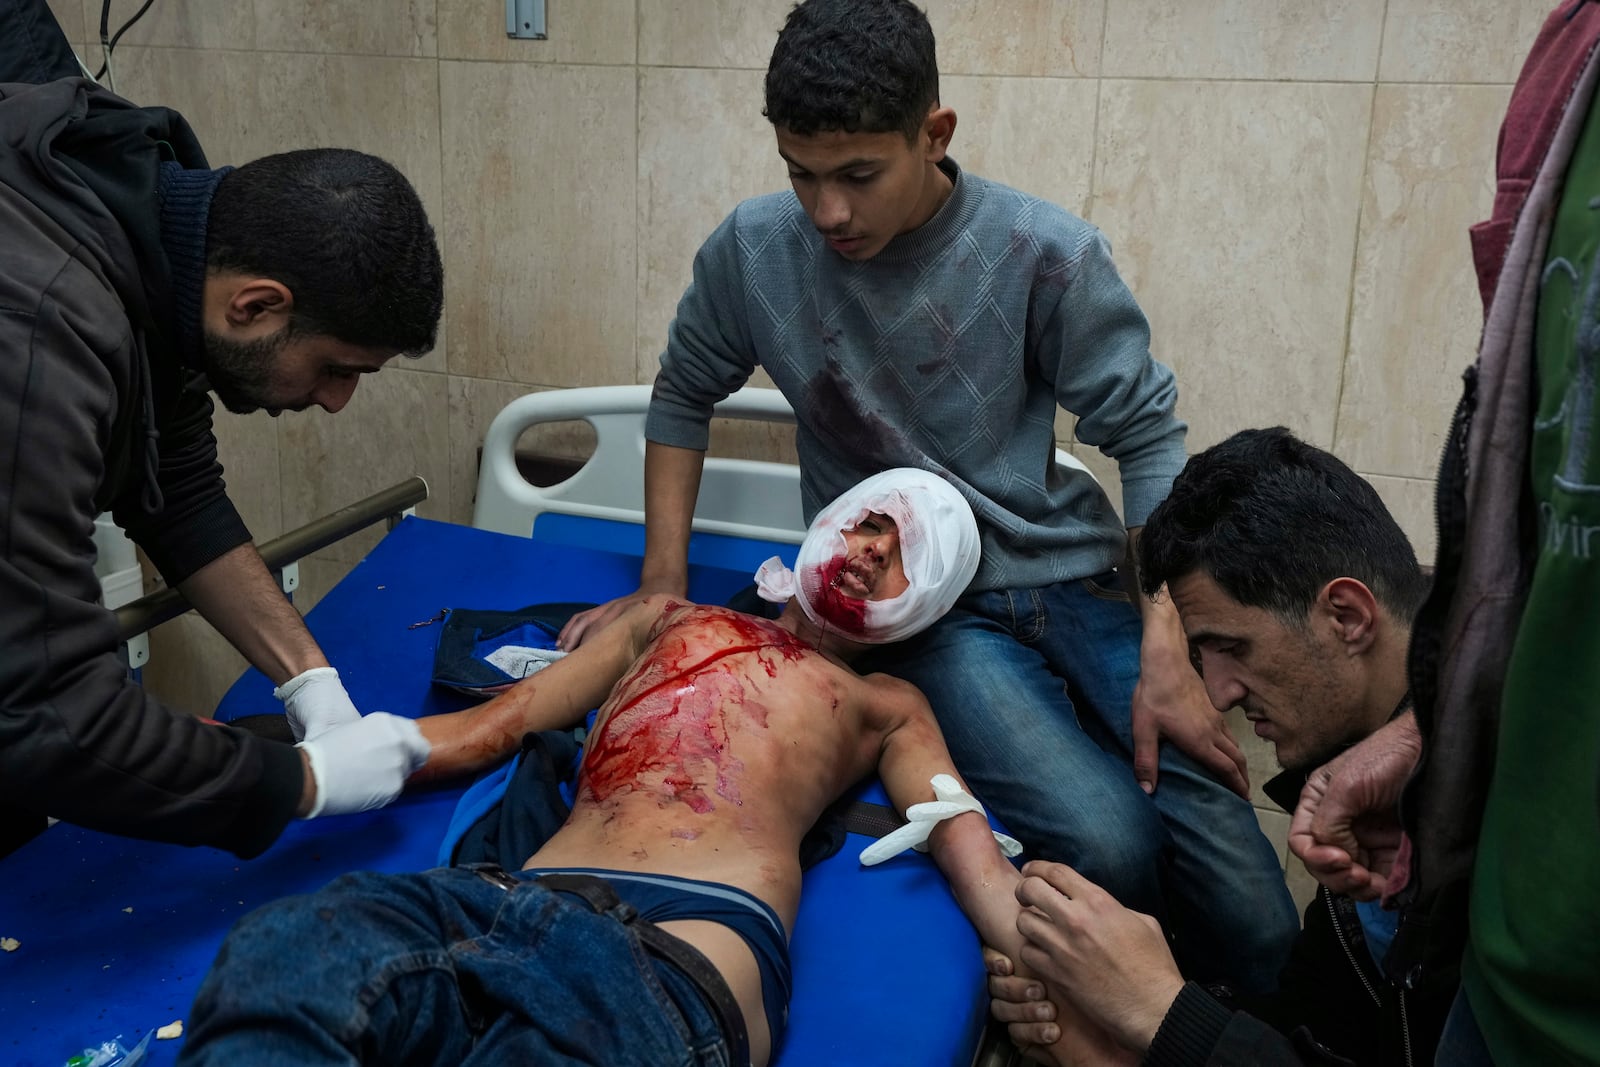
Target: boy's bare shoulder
{"points": [[892, 700], [655, 613]]}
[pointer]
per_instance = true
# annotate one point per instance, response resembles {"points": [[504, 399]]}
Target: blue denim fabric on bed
{"points": [[446, 967], [468, 637], [660, 898]]}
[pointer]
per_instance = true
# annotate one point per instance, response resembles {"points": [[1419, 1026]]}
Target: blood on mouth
{"points": [[847, 613]]}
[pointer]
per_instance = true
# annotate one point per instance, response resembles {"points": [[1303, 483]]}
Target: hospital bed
{"points": [[114, 935]]}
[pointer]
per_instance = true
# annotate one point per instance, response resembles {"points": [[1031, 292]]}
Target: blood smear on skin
{"points": [[676, 728]]}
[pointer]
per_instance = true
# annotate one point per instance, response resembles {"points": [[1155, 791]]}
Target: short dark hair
{"points": [[1272, 520], [346, 233], [857, 66]]}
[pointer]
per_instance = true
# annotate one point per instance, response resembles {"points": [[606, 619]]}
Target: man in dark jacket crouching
{"points": [[1296, 590], [135, 280]]}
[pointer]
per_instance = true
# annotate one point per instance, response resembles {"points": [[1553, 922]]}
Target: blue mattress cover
{"points": [[115, 934]]}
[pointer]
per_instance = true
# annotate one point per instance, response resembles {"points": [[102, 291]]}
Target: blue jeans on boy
{"points": [[1033, 690], [443, 966]]}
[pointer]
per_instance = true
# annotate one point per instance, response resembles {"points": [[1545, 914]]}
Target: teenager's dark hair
{"points": [[1272, 520], [857, 66], [346, 233]]}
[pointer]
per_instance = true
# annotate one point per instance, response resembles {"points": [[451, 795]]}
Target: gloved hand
{"points": [[364, 764], [922, 818], [316, 702]]}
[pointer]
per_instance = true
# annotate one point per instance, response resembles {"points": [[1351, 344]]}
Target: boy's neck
{"points": [[938, 190], [824, 639]]}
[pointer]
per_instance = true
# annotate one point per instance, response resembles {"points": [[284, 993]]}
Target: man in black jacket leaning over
{"points": [[133, 279], [1296, 590]]}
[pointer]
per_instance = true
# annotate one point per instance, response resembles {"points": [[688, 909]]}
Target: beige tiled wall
{"points": [[1286, 187]]}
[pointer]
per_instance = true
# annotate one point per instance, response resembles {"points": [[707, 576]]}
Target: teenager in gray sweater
{"points": [[916, 315]]}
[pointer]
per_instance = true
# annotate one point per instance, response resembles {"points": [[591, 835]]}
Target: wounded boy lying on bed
{"points": [[653, 927]]}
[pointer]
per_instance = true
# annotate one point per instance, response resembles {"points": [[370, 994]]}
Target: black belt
{"points": [[602, 899]]}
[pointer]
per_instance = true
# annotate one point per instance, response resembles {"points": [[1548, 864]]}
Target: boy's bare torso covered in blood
{"points": [[711, 759]]}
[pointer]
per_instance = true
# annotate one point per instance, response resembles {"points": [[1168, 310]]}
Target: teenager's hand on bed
{"points": [[1170, 702], [1111, 963], [585, 624]]}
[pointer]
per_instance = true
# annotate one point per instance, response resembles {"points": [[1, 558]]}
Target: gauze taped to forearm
{"points": [[939, 547], [951, 801]]}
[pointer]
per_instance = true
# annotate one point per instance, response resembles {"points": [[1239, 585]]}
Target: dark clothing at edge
{"points": [[104, 208], [1332, 1005]]}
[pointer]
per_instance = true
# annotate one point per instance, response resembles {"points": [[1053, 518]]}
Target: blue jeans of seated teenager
{"points": [[1033, 690], [442, 967]]}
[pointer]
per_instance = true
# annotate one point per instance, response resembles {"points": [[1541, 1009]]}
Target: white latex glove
{"points": [[922, 818], [316, 702], [364, 764]]}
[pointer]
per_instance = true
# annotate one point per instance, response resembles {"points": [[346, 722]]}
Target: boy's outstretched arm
{"points": [[555, 698], [964, 848], [982, 879]]}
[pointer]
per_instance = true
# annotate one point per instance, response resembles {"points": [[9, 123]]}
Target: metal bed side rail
{"points": [[150, 611]]}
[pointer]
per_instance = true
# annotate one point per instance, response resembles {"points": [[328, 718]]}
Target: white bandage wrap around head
{"points": [[939, 549], [951, 801]]}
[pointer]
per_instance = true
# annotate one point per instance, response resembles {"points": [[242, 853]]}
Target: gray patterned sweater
{"points": [[950, 351]]}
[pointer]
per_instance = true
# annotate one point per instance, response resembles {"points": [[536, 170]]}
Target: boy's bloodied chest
{"points": [[704, 698]]}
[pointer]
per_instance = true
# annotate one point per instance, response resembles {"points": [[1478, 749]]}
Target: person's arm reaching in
{"points": [[350, 762], [671, 486], [1126, 402], [198, 542], [1346, 827], [238, 595]]}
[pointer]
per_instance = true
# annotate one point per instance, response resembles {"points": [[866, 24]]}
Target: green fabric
{"points": [[1532, 971]]}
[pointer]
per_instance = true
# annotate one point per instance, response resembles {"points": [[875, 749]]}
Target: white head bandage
{"points": [[939, 549]]}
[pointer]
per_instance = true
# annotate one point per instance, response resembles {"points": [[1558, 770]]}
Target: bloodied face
{"points": [[873, 569], [877, 579], [870, 568]]}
